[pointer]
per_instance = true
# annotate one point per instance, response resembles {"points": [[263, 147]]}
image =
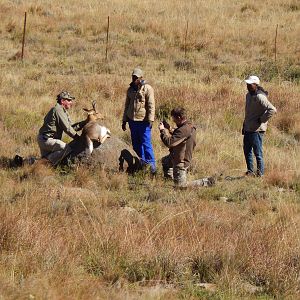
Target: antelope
{"points": [[92, 131]]}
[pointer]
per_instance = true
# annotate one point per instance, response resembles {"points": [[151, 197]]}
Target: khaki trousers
{"points": [[53, 149], [176, 172]]}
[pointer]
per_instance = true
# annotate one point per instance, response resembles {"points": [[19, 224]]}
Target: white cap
{"points": [[137, 72], [252, 79]]}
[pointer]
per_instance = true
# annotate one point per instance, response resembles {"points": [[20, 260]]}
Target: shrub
{"points": [[184, 64]]}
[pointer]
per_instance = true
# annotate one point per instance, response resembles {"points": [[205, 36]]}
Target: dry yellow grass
{"points": [[92, 235]]}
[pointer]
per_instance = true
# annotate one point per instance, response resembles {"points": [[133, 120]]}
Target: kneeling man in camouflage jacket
{"points": [[55, 123]]}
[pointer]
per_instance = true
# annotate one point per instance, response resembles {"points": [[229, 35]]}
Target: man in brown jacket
{"points": [[139, 112], [181, 142]]}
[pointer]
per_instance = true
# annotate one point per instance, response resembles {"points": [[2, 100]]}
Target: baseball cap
{"points": [[252, 79], [137, 72], [65, 95]]}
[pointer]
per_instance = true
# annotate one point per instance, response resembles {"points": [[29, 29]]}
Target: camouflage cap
{"points": [[137, 72], [65, 95]]}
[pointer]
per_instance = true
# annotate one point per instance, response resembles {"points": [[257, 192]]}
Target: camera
{"points": [[165, 123]]}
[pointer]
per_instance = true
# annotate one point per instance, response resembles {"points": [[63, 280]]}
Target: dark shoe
{"points": [[153, 174], [17, 162], [258, 174]]}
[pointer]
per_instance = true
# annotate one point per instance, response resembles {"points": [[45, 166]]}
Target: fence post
{"points": [[185, 37], [107, 32], [275, 48], [24, 32]]}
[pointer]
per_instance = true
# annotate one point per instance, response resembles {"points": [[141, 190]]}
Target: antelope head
{"points": [[93, 114]]}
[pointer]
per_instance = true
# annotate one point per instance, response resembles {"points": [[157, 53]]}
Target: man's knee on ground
{"points": [[179, 175]]}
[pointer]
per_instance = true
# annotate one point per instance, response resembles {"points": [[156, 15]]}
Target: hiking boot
{"points": [[211, 181], [250, 174]]}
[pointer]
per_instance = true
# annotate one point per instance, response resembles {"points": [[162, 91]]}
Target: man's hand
{"points": [[150, 124], [166, 124], [161, 126], [124, 126]]}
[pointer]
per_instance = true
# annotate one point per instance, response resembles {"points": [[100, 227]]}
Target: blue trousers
{"points": [[253, 141], [141, 142]]}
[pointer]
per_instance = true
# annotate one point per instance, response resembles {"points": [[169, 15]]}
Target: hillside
{"points": [[89, 234]]}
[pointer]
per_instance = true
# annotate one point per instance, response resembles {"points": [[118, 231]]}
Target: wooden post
{"points": [[24, 32], [185, 38], [275, 49], [107, 32]]}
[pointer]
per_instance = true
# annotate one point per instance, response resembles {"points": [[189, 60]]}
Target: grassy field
{"points": [[88, 234]]}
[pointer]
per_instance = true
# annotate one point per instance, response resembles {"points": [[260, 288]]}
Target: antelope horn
{"points": [[94, 106]]}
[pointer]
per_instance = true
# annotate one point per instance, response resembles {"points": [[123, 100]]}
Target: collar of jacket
{"points": [[137, 87], [185, 122], [64, 110], [260, 90]]}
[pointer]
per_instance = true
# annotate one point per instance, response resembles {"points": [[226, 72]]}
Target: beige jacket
{"points": [[139, 104], [181, 143], [258, 111]]}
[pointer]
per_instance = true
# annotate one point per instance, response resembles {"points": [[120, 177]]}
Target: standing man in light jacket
{"points": [[139, 112], [56, 122], [258, 111]]}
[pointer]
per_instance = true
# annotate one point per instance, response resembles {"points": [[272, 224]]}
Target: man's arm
{"points": [[64, 123], [125, 118], [173, 140], [79, 125], [150, 101], [270, 109], [126, 108]]}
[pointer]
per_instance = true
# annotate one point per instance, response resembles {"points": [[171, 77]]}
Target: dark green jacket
{"points": [[58, 121]]}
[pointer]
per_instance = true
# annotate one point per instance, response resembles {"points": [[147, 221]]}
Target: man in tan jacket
{"points": [[258, 111], [181, 142], [139, 112]]}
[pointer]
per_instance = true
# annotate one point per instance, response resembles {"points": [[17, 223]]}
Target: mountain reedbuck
{"points": [[93, 132]]}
